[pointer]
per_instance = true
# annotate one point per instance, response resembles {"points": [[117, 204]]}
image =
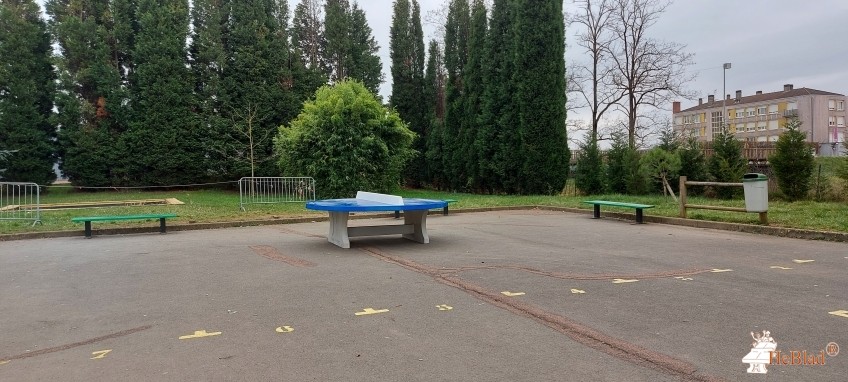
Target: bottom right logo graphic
{"points": [[764, 352]]}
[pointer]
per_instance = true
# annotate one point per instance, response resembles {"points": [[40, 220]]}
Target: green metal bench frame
{"points": [[88, 219], [598, 203]]}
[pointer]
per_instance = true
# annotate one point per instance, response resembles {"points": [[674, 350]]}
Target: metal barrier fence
{"points": [[268, 190], [20, 201]]}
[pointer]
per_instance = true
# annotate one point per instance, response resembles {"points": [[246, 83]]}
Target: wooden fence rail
{"points": [[684, 205]]}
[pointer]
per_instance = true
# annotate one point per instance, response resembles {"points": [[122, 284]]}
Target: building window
{"points": [[772, 109], [831, 121], [761, 126], [752, 112], [749, 127], [840, 105], [831, 105], [717, 122], [761, 110], [840, 121]]}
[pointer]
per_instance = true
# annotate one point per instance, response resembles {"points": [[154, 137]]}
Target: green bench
{"points": [[598, 203], [444, 210], [88, 219]]}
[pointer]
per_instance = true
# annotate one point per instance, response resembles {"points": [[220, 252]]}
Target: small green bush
{"points": [[792, 162], [347, 141], [727, 164], [589, 175]]}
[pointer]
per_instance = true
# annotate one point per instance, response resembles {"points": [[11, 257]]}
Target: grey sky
{"points": [[769, 42]]}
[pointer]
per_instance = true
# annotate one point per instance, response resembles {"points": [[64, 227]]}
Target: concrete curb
{"points": [[747, 228]]}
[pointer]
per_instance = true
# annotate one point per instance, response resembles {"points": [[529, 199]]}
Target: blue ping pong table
{"points": [[415, 217]]}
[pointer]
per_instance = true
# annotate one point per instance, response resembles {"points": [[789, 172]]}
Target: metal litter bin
{"points": [[756, 192]]}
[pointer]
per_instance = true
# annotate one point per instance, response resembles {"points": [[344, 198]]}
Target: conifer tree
{"points": [[456, 57], [92, 114], [727, 163], [408, 95], [363, 61], [498, 138], [163, 140], [540, 95], [337, 23], [26, 94], [473, 97], [307, 34], [207, 59], [793, 162], [434, 105], [257, 86]]}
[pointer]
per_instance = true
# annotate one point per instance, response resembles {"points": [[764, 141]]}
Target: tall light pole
{"points": [[724, 97]]}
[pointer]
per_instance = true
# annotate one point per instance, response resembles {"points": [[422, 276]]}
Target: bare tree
{"points": [[650, 72], [592, 80]]}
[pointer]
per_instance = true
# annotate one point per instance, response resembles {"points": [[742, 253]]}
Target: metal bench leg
{"points": [[161, 225], [445, 210], [596, 214], [88, 230], [638, 216], [397, 214]]}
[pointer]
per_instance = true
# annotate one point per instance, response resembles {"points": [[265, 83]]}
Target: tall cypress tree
{"points": [[498, 138], [257, 85], [163, 140], [408, 95], [363, 61], [307, 34], [434, 106], [26, 93], [456, 56], [207, 59], [473, 81], [540, 95], [337, 34]]}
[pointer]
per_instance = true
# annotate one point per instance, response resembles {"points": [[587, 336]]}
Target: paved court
{"points": [[496, 296]]}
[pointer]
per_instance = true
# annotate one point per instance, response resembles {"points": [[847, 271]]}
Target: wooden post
{"points": [[764, 218], [683, 197]]}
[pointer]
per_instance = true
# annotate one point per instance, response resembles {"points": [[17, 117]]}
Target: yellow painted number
{"points": [[444, 307], [512, 294], [284, 329]]}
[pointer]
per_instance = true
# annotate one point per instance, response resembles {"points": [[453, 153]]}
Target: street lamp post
{"points": [[724, 98]]}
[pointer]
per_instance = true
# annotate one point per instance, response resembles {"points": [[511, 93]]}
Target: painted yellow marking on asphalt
{"points": [[199, 334], [284, 329], [840, 313], [367, 311], [577, 291], [4, 362], [622, 281], [100, 354], [802, 261], [716, 270], [684, 278], [444, 307], [779, 267], [512, 294]]}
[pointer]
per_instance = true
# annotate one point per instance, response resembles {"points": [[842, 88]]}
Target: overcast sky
{"points": [[768, 42]]}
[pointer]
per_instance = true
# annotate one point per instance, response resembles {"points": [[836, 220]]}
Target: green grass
{"points": [[202, 206]]}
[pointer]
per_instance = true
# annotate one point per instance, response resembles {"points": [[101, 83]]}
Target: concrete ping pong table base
{"points": [[415, 216]]}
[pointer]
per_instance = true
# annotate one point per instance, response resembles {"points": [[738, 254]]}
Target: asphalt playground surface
{"points": [[496, 296]]}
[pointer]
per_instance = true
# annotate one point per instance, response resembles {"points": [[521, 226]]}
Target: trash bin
{"points": [[756, 192]]}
